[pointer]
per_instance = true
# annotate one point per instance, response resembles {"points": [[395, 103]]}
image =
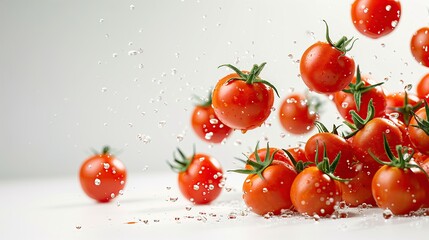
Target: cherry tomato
{"points": [[423, 179], [325, 68], [375, 18], [423, 88], [207, 125], [102, 176], [243, 100], [345, 100], [420, 46], [419, 130], [313, 192], [295, 116], [200, 177], [402, 104], [279, 155], [398, 190], [267, 187]]}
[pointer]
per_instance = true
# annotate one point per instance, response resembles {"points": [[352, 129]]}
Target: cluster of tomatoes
{"points": [[382, 158]]}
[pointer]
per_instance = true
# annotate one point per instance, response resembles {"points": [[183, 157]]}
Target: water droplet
{"points": [[162, 124], [132, 7], [101, 20], [196, 187], [133, 53], [144, 138], [264, 190], [78, 227], [112, 195], [179, 138], [388, 7], [408, 87], [97, 182], [173, 71], [214, 121], [106, 165], [394, 23], [208, 135], [387, 214], [344, 104], [365, 10], [114, 55], [104, 89]]}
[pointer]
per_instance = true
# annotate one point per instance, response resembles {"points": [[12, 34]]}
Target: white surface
{"points": [[57, 208], [62, 92]]}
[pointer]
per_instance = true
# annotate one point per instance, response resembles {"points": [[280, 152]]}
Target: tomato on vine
{"points": [[200, 177], [242, 100], [420, 46], [402, 104], [419, 130], [102, 176], [207, 125], [375, 18], [297, 113], [324, 66]]}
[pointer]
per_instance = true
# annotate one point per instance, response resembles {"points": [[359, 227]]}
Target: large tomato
{"points": [[402, 104], [207, 125], [375, 18], [295, 115], [200, 177], [103, 176], [357, 96], [423, 88], [242, 100], [267, 187], [419, 130], [325, 68], [420, 46]]}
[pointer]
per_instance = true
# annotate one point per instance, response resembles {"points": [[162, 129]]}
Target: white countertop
{"points": [[152, 208]]}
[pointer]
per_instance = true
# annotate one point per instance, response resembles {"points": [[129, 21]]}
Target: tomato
{"points": [[419, 130], [325, 68], [423, 179], [333, 144], [423, 88], [420, 46], [375, 18], [243, 100], [358, 190], [402, 104], [398, 190], [314, 192], [349, 98], [279, 155], [295, 115], [200, 177], [207, 125], [102, 176], [267, 187]]}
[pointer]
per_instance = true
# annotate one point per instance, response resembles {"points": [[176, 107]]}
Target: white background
{"points": [[68, 84]]}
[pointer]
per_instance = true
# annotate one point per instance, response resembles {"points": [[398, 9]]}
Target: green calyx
{"points": [[422, 124], [407, 109], [358, 88], [181, 164], [259, 166], [106, 150], [299, 165], [326, 167], [340, 45], [358, 121], [405, 154], [251, 77], [322, 128], [204, 102]]}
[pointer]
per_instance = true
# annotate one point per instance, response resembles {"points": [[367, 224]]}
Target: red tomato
{"points": [[420, 46], [200, 177], [375, 18], [333, 144], [423, 88], [424, 183], [358, 190], [345, 101], [270, 194], [279, 155], [295, 115], [398, 190], [314, 192], [324, 66], [242, 100], [419, 133], [207, 125], [402, 104], [103, 176]]}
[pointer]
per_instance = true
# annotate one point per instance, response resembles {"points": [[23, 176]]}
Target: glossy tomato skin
{"points": [[370, 138], [295, 116], [201, 182], [358, 190], [207, 125], [420, 46], [375, 18], [396, 100], [240, 105], [398, 190], [271, 194], [424, 183], [314, 192], [335, 144], [418, 137], [423, 88], [325, 69], [345, 101], [102, 177]]}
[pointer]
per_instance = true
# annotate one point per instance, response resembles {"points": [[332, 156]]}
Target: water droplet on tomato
{"points": [[97, 182], [388, 7], [106, 165], [394, 23], [196, 187]]}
